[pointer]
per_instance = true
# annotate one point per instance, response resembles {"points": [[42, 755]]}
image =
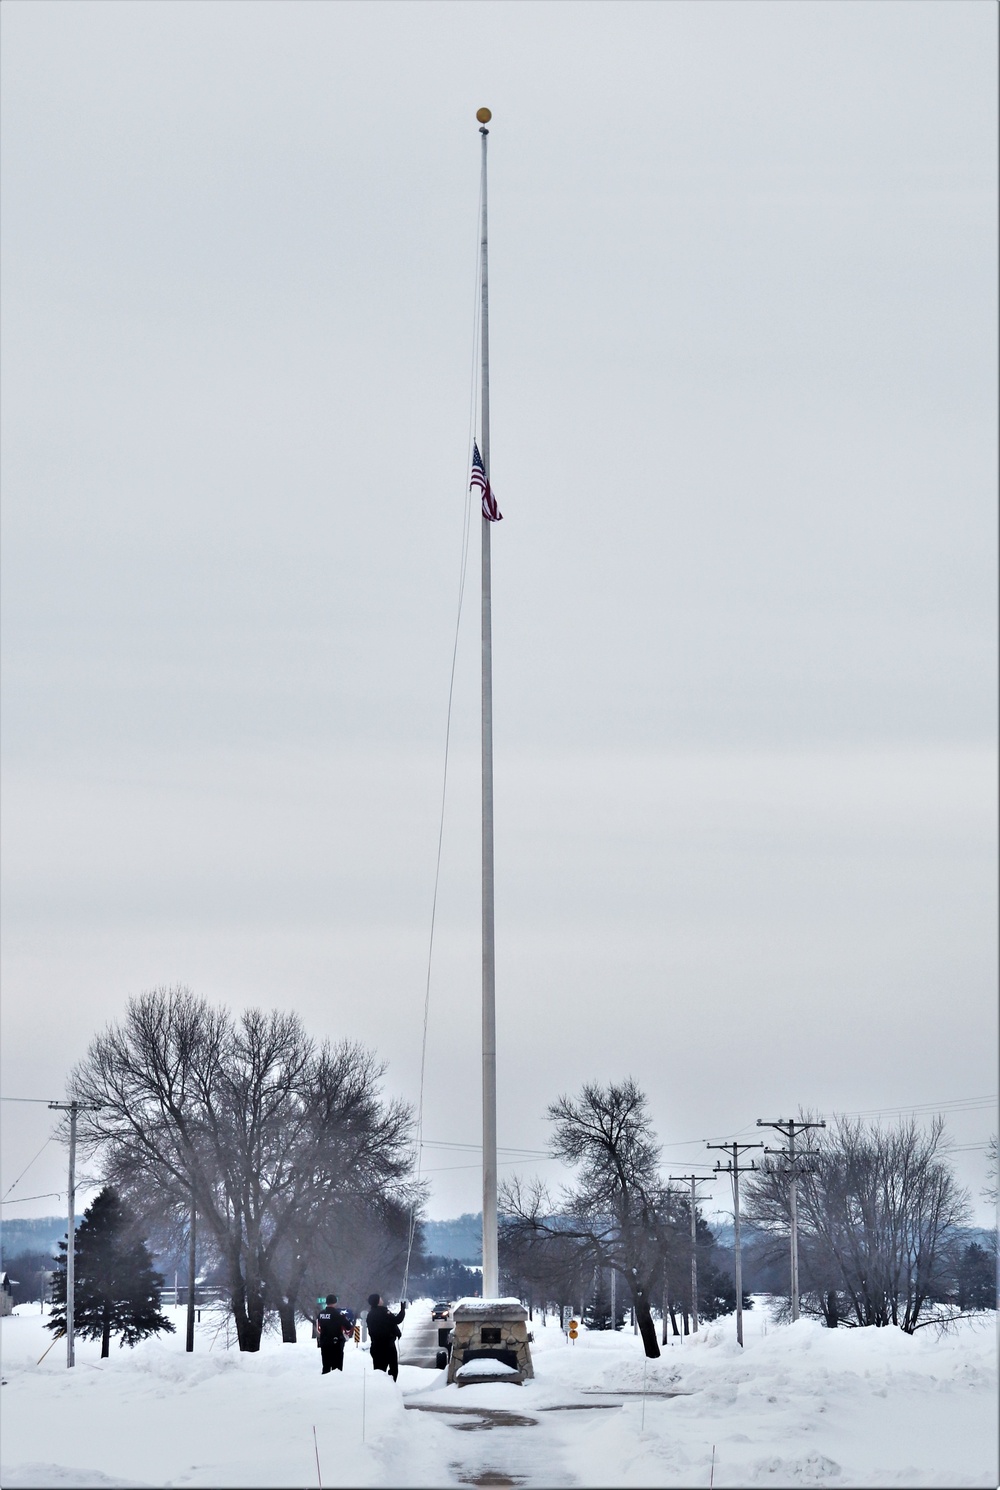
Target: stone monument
{"points": [[490, 1342]]}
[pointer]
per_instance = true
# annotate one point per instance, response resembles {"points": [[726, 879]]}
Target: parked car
{"points": [[440, 1311]]}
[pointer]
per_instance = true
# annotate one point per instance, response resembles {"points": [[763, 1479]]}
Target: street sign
{"points": [[573, 1329]]}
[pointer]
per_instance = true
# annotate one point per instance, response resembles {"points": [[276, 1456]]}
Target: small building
{"points": [[6, 1294], [490, 1342]]}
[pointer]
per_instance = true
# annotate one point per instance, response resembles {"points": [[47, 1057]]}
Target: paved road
{"points": [[419, 1345], [494, 1448]]}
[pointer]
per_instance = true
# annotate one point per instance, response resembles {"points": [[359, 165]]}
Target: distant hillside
{"points": [[39, 1235], [461, 1238], [725, 1236]]}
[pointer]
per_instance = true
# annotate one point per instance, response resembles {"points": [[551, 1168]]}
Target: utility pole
{"points": [[189, 1342], [734, 1169], [790, 1129], [74, 1109], [696, 1179]]}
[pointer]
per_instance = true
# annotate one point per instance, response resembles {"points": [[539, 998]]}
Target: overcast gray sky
{"points": [[743, 325]]}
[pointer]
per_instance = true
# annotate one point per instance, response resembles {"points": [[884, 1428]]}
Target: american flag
{"points": [[490, 509]]}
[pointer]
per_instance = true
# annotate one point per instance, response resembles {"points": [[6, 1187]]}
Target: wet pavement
{"points": [[502, 1448], [477, 1418], [419, 1345], [496, 1451], [502, 1454]]}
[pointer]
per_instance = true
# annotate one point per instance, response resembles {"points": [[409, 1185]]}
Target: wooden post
{"points": [[734, 1169], [790, 1128], [74, 1109], [695, 1179], [189, 1343]]}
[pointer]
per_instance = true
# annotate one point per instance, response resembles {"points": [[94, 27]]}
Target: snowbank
{"points": [[155, 1416], [800, 1405]]}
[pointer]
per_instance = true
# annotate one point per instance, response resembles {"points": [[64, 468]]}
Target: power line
{"points": [[696, 1163], [24, 1171], [23, 1199], [449, 1168], [503, 1148], [957, 1105], [682, 1143]]}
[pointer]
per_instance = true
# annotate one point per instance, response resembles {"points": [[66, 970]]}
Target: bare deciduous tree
{"points": [[989, 1190], [247, 1119], [878, 1215], [544, 1263], [616, 1212]]}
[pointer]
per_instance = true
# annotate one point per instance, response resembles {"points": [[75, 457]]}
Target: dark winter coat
{"points": [[383, 1326], [330, 1326]]}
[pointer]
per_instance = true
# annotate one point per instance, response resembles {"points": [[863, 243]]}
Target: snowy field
{"points": [[800, 1405]]}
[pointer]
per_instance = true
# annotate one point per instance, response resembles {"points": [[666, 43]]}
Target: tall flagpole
{"points": [[491, 1280]]}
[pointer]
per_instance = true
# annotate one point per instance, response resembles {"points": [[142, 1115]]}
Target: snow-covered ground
{"points": [[800, 1405]]}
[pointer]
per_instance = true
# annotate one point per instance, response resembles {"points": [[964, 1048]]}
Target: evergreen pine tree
{"points": [[116, 1289], [977, 1278], [597, 1309], [717, 1293]]}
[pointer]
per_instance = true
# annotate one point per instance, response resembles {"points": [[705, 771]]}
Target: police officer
{"points": [[331, 1324], [384, 1331]]}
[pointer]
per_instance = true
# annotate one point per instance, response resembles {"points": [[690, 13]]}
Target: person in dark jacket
{"points": [[331, 1325], [384, 1331]]}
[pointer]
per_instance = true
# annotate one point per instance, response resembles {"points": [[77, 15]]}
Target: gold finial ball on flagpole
{"points": [[484, 116]]}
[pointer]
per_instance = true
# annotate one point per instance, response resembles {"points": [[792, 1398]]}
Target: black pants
{"points": [[332, 1352], [384, 1357]]}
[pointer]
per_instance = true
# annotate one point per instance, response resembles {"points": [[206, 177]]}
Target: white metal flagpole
{"points": [[491, 1280]]}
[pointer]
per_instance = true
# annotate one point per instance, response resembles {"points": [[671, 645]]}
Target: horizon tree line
{"points": [[299, 1173], [880, 1219]]}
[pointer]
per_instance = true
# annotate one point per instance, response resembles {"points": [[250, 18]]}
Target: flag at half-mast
{"points": [[490, 509]]}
